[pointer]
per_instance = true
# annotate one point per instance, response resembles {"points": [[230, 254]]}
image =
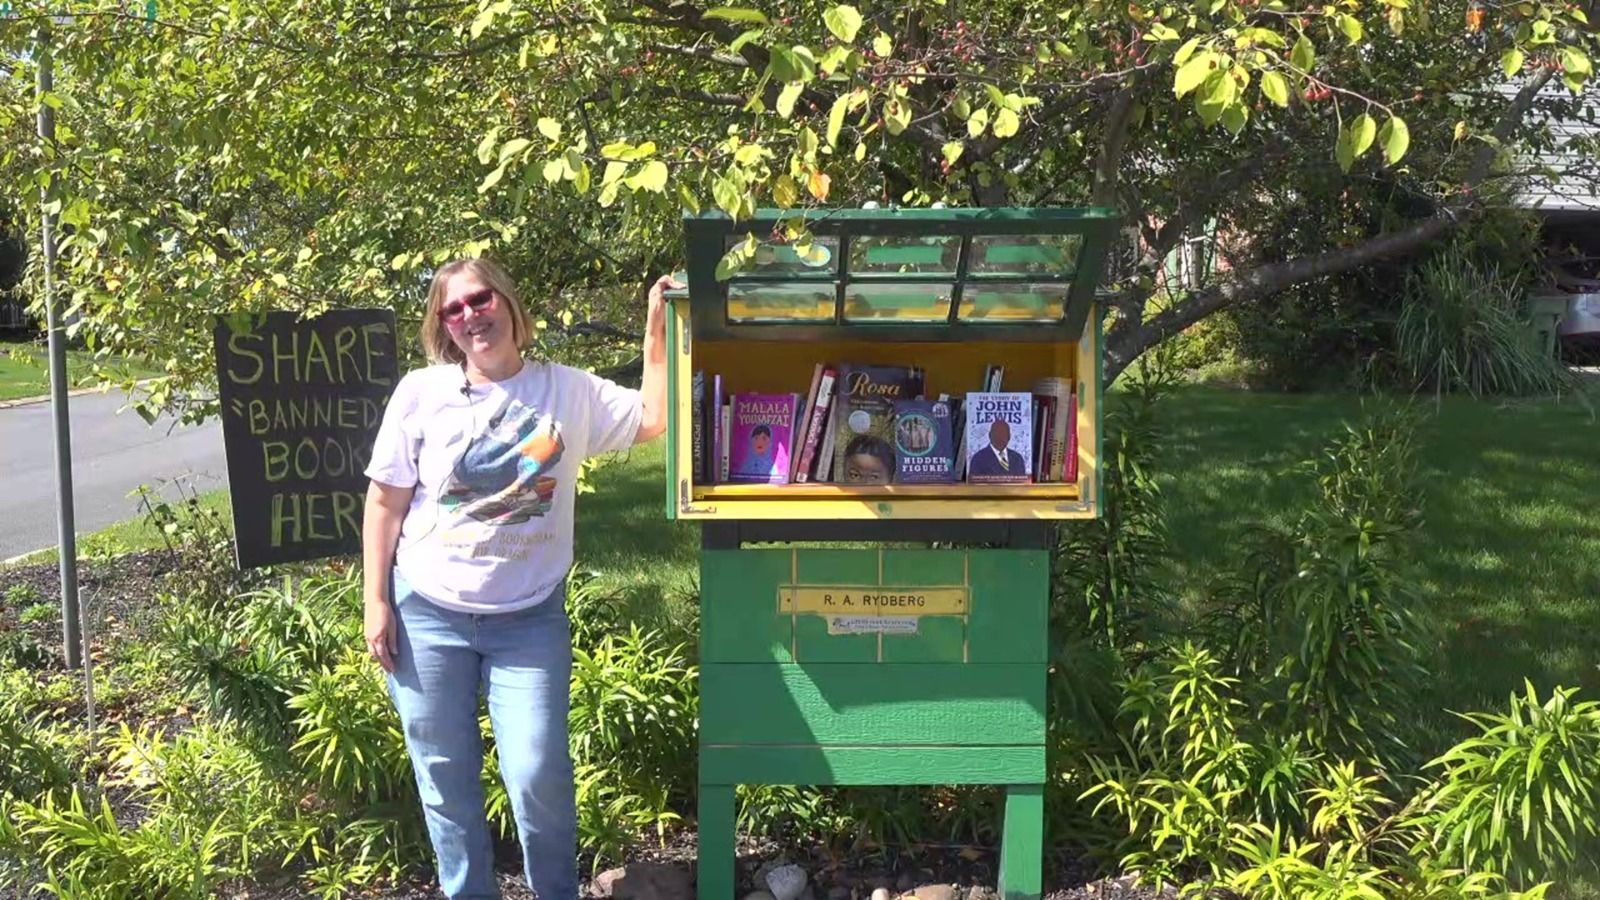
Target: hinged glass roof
{"points": [[902, 274]]}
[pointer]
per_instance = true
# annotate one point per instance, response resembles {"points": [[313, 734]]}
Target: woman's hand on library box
{"points": [[381, 632]]}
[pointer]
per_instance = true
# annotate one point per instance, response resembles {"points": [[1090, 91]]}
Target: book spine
{"points": [[817, 423], [1066, 412], [1070, 465], [714, 467], [802, 417], [726, 417], [825, 449], [697, 426]]}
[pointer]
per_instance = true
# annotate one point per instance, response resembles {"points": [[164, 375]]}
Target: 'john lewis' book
{"points": [[999, 437], [922, 445], [761, 437], [864, 432]]}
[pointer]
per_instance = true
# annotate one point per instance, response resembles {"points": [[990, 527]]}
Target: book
{"points": [[697, 427], [1052, 463], [999, 437], [714, 467], [864, 410], [1043, 411], [802, 421], [722, 443], [1069, 442], [816, 424], [824, 471], [922, 442], [761, 438]]}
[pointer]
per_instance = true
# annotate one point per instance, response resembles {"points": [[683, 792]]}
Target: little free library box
{"points": [[865, 378]]}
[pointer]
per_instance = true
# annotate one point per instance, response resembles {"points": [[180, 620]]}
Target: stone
{"points": [[645, 881], [786, 882], [937, 892], [979, 892], [882, 894], [840, 892], [758, 895]]}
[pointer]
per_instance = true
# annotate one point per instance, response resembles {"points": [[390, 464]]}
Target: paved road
{"points": [[112, 453]]}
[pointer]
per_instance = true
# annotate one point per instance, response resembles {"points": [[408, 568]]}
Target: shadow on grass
{"points": [[1509, 557]]}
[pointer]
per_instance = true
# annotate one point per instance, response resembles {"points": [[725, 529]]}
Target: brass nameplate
{"points": [[847, 600]]}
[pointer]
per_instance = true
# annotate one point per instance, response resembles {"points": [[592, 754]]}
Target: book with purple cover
{"points": [[761, 437]]}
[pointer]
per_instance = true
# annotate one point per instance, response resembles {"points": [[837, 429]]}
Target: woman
{"points": [[467, 540]]}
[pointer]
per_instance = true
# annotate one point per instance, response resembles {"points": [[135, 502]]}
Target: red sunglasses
{"points": [[456, 310]]}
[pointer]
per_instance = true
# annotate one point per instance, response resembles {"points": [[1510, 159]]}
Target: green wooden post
{"points": [[714, 868]]}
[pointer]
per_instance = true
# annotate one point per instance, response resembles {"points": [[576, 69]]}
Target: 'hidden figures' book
{"points": [[999, 438], [922, 445], [864, 415], [761, 437]]}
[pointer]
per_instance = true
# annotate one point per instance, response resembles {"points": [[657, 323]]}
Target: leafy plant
{"points": [[1523, 795], [1461, 329], [22, 595]]}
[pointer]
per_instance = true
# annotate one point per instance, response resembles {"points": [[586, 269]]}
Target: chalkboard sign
{"points": [[301, 403]]}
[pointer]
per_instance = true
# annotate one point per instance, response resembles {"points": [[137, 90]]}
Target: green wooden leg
{"points": [[1022, 843], [715, 865]]}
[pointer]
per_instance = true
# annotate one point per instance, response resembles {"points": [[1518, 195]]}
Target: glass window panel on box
{"points": [[1025, 254], [901, 254], [776, 258], [780, 301], [897, 302], [1013, 302]]}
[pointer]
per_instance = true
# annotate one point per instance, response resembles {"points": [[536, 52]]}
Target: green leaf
{"points": [[1235, 117], [1275, 88], [896, 115], [554, 169], [549, 127], [580, 178], [1186, 51], [653, 177], [1344, 149], [1396, 137], [1304, 55], [513, 147], [1511, 62], [1006, 123], [978, 122], [787, 97], [487, 145], [737, 14], [882, 45], [1362, 133], [951, 151], [1215, 96], [1194, 73], [727, 194], [738, 43], [1351, 26], [836, 113], [844, 21], [1576, 63], [492, 179], [785, 191]]}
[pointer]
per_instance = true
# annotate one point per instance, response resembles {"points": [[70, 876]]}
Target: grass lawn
{"points": [[25, 369], [1510, 556]]}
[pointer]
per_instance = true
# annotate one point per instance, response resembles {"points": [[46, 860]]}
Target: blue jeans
{"points": [[523, 660]]}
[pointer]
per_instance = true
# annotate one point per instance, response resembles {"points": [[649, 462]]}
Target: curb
{"points": [[45, 398]]}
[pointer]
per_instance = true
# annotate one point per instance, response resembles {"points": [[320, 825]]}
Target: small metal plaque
{"points": [[858, 601], [872, 624]]}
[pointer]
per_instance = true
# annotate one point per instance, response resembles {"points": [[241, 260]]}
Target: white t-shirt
{"points": [[490, 524]]}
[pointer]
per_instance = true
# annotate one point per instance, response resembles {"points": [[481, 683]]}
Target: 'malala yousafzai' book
{"points": [[999, 437], [922, 444], [761, 437], [864, 416]]}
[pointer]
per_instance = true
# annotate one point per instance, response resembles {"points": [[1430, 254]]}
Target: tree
{"points": [[298, 155]]}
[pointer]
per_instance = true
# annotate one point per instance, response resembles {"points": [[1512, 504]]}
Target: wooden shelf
{"points": [[885, 491]]}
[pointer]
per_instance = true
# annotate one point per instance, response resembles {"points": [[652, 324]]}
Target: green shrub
{"points": [[1461, 329], [35, 613], [36, 758], [633, 716], [22, 595], [1321, 618], [1523, 795]]}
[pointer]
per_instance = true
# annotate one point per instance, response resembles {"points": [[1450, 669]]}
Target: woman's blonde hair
{"points": [[436, 341]]}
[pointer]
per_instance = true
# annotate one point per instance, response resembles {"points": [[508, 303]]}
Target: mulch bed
{"points": [[118, 594]]}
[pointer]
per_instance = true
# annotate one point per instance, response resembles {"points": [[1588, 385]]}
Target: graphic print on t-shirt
{"points": [[501, 478]]}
